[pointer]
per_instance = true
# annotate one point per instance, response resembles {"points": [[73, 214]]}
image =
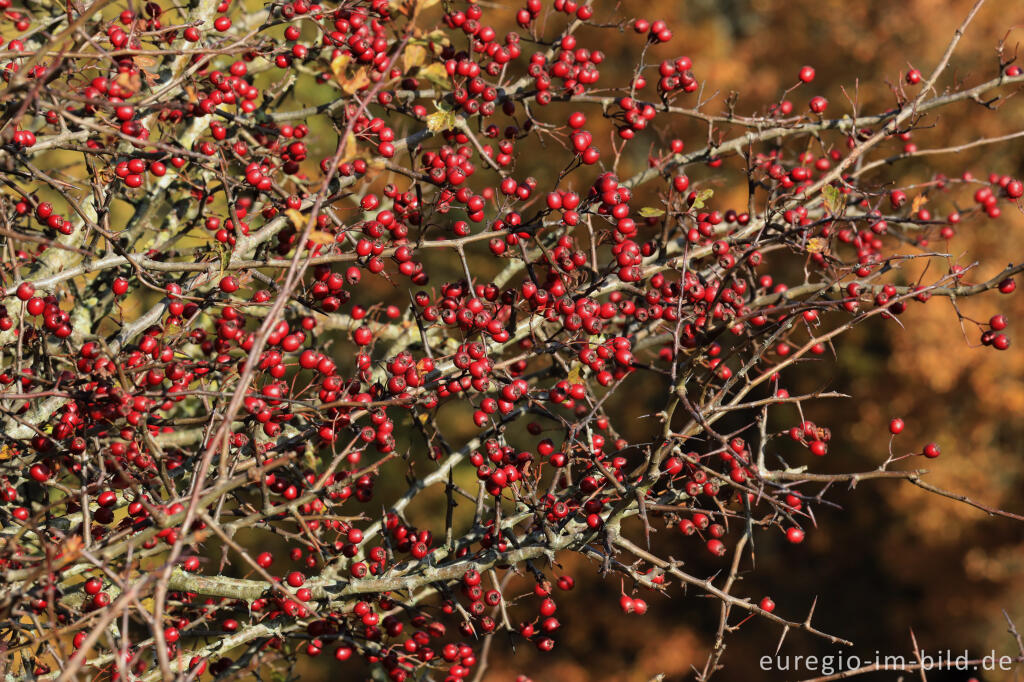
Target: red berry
{"points": [[39, 472]]}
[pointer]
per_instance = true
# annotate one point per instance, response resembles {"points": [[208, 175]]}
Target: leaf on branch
{"points": [[311, 459], [439, 39], [414, 55], [146, 64], [835, 200], [436, 74], [349, 84], [919, 201], [130, 80], [71, 549], [441, 120], [574, 375], [703, 196], [145, 61], [351, 148], [411, 8], [224, 255], [651, 212], [321, 237], [817, 245], [339, 64], [316, 236], [298, 220], [360, 80]]}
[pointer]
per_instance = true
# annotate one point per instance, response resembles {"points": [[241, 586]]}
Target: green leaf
{"points": [[651, 212], [835, 201], [703, 196]]}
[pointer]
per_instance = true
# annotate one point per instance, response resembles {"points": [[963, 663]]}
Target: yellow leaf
{"points": [[919, 201], [298, 220], [414, 55], [358, 81], [321, 237], [574, 375], [816, 244], [339, 64], [441, 120], [411, 8], [436, 74], [351, 148], [350, 84]]}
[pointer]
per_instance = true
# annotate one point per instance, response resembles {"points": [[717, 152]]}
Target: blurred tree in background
{"points": [[890, 561]]}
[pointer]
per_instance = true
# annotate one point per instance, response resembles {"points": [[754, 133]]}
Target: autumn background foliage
{"points": [[167, 267]]}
